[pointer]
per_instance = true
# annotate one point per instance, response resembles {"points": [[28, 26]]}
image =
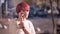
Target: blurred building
{"points": [[9, 4]]}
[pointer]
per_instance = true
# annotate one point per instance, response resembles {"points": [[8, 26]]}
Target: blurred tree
{"points": [[28, 1]]}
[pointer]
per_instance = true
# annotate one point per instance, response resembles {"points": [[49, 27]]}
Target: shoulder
{"points": [[28, 21]]}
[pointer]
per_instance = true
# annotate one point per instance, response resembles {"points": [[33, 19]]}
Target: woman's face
{"points": [[23, 14]]}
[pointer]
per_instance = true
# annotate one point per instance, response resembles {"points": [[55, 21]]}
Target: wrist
{"points": [[23, 27]]}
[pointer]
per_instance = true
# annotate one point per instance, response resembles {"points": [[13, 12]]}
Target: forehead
{"points": [[24, 10]]}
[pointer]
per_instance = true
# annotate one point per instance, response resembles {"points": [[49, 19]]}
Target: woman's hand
{"points": [[21, 25]]}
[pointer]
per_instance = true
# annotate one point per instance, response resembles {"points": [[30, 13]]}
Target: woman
{"points": [[24, 26]]}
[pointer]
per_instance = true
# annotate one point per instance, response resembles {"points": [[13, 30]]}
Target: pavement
{"points": [[45, 24]]}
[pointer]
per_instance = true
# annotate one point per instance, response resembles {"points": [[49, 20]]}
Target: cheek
{"points": [[27, 13]]}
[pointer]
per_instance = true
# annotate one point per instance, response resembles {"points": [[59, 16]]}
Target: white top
{"points": [[28, 24]]}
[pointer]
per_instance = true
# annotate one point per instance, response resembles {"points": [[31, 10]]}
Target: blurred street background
{"points": [[44, 14]]}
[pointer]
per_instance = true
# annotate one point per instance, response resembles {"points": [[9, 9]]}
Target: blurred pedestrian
{"points": [[24, 26]]}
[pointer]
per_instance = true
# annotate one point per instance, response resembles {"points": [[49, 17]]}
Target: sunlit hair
{"points": [[22, 6]]}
